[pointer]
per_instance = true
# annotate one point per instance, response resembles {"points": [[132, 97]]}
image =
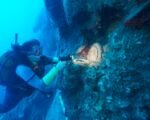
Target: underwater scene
{"points": [[74, 59]]}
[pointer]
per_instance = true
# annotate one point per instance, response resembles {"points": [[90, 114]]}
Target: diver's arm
{"points": [[53, 60], [49, 60], [32, 79], [48, 78]]}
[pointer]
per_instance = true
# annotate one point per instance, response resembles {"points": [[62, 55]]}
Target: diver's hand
{"points": [[49, 60], [65, 58], [55, 59]]}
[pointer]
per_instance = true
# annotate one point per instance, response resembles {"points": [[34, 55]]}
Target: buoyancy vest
{"points": [[8, 77]]}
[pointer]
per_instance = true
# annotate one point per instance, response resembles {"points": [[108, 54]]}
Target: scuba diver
{"points": [[22, 70]]}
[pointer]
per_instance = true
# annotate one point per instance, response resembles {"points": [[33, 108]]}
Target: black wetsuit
{"points": [[16, 88]]}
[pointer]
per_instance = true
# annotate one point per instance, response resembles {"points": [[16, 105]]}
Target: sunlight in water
{"points": [[18, 16]]}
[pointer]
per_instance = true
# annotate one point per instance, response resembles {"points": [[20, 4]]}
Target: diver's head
{"points": [[32, 50]]}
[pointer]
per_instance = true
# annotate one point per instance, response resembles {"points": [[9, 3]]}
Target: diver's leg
{"points": [[2, 97], [10, 101]]}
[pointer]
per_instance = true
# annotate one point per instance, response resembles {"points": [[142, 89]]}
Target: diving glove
{"points": [[65, 58]]}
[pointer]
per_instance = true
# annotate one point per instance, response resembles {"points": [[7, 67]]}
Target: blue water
{"points": [[18, 16]]}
